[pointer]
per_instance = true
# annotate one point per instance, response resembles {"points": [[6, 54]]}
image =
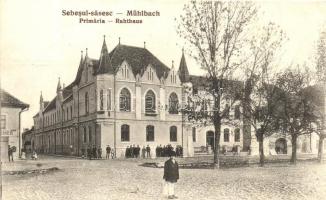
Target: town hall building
{"points": [[129, 97]]}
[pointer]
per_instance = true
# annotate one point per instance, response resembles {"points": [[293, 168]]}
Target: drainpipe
{"points": [[182, 119], [19, 132], [115, 116]]}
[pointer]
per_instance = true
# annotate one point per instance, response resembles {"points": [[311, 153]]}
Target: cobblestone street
{"points": [[125, 179]]}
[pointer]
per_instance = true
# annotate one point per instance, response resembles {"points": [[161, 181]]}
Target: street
{"points": [[125, 179]]}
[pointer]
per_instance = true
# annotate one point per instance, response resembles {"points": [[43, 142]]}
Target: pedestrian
{"points": [[34, 155], [148, 151], [132, 151], [143, 152], [89, 152], [127, 152], [10, 154], [108, 152], [137, 151], [113, 153], [99, 153], [94, 152], [171, 175]]}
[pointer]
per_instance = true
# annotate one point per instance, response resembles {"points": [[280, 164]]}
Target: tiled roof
{"points": [[138, 58], [7, 100], [46, 103], [52, 105]]}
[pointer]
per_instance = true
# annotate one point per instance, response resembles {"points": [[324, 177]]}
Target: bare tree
{"points": [[260, 97], [217, 34]]}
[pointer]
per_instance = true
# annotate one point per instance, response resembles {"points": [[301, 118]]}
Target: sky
{"points": [[39, 45]]}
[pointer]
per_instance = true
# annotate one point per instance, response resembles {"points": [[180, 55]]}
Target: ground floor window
{"points": [[237, 135], [226, 135], [90, 134], [194, 134], [84, 135], [173, 133], [150, 133], [125, 135]]}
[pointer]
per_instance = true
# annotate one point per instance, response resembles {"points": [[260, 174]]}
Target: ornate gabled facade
{"points": [[126, 97]]}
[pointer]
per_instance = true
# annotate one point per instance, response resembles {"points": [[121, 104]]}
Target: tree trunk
{"points": [[217, 145], [261, 149], [217, 126], [294, 149], [320, 149]]}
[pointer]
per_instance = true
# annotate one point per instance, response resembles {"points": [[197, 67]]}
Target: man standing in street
{"points": [[108, 151], [10, 153], [171, 175], [148, 151]]}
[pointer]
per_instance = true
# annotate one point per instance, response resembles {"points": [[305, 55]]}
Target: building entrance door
{"points": [[280, 146], [210, 139]]}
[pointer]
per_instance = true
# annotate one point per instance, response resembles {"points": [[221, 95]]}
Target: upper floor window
{"points": [[150, 74], [125, 133], [101, 100], [150, 102], [227, 111], [150, 133], [237, 135], [173, 134], [125, 71], [237, 112], [173, 103], [70, 112], [109, 99], [173, 77], [226, 135], [86, 103], [3, 121], [67, 113], [125, 100]]}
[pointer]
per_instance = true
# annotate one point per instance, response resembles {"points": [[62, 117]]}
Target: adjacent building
{"points": [[11, 110]]}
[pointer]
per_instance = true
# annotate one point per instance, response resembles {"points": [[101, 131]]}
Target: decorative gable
{"points": [[125, 72], [150, 75]]}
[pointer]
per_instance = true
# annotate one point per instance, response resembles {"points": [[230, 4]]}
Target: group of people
{"points": [[167, 150], [110, 152], [133, 151], [92, 152]]}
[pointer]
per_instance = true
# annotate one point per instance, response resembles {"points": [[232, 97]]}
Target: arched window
{"points": [[125, 135], [237, 112], [150, 102], [173, 134], [173, 103], [150, 133], [237, 135], [125, 100], [226, 135], [86, 103]]}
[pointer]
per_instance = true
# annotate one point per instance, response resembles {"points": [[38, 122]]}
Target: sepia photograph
{"points": [[164, 99]]}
